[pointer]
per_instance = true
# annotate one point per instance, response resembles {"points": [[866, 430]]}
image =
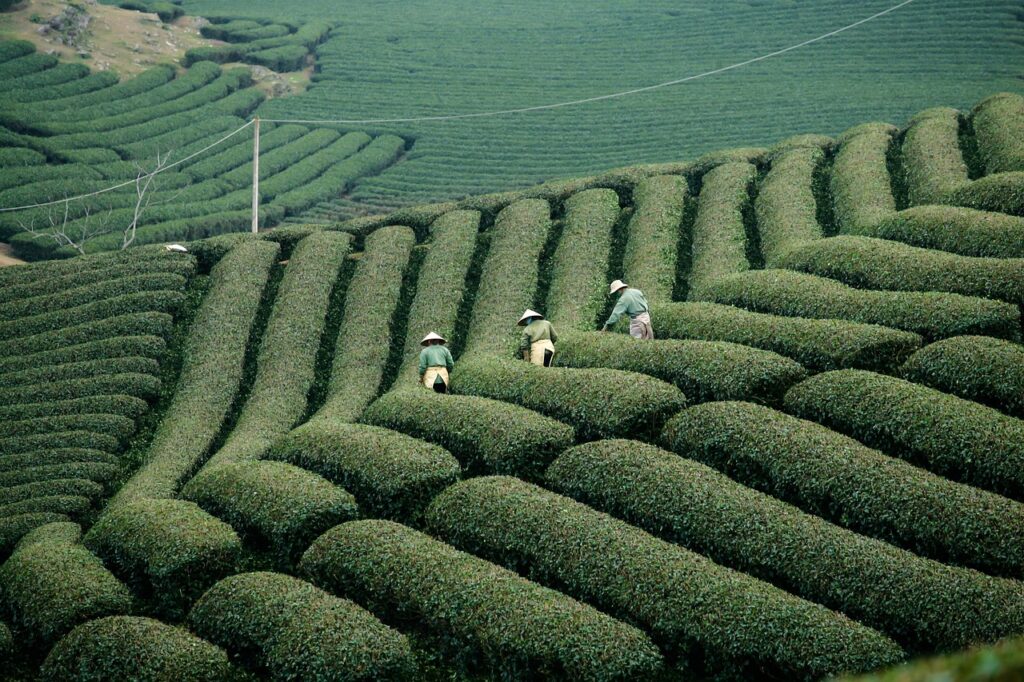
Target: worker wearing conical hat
{"points": [[632, 303], [539, 337], [435, 362]]}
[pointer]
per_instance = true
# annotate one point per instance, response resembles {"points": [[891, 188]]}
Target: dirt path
{"points": [[6, 258]]}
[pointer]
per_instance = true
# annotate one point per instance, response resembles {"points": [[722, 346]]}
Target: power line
{"points": [[599, 98]]}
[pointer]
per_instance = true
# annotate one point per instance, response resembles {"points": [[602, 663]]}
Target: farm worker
{"points": [[538, 344], [633, 303], [435, 362]]}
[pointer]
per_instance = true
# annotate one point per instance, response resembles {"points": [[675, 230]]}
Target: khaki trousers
{"points": [[431, 375], [537, 349]]}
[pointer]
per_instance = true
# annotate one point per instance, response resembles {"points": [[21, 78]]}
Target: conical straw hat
{"points": [[528, 314], [432, 336], [616, 285]]}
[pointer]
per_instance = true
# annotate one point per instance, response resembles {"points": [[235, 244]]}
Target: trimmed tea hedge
{"points": [[719, 235], [1001, 662], [271, 502], [519, 629], [60, 439], [285, 365], [13, 528], [111, 425], [861, 186], [933, 315], [240, 154], [440, 287], [951, 436], [364, 341], [867, 263], [998, 123], [600, 403], [1002, 192], [73, 487], [785, 207], [124, 405], [965, 231], [210, 374], [143, 386], [509, 277], [702, 370], [579, 289], [135, 324], [978, 368], [296, 631], [142, 346], [171, 549], [924, 605], [87, 369], [933, 164], [52, 583], [391, 475], [304, 170], [485, 435], [649, 261], [718, 620], [819, 345], [69, 505], [35, 458], [125, 647], [837, 478], [72, 468]]}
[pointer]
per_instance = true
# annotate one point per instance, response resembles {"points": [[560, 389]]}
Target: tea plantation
{"points": [[219, 464]]}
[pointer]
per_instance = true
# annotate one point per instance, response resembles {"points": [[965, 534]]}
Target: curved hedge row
{"points": [[125, 647], [867, 263], [649, 261], [861, 186], [170, 549], [974, 444], [933, 315], [61, 282], [66, 505], [364, 341], [133, 324], [88, 84], [485, 435], [718, 620], [1002, 192], [603, 403], [924, 605], [57, 456], [51, 583], [210, 374], [60, 439], [578, 291], [271, 503], [87, 369], [998, 123], [285, 364], [112, 349], [719, 235], [143, 386], [955, 229], [75, 467], [508, 277], [702, 370], [1001, 662], [28, 64], [785, 207], [123, 405], [837, 478], [978, 368], [303, 170], [932, 163], [240, 154], [819, 345], [391, 475], [519, 629], [13, 528], [294, 630], [71, 487], [112, 425]]}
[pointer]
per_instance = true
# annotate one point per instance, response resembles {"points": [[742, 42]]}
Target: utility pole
{"points": [[256, 177]]}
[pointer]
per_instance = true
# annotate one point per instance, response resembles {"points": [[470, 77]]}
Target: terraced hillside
{"points": [[66, 132], [220, 463]]}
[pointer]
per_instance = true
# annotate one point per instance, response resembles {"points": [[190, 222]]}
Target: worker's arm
{"points": [[554, 336], [449, 361], [423, 363], [617, 311], [525, 342]]}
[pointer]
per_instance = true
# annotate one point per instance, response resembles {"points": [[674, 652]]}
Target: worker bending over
{"points": [[538, 344], [435, 362], [633, 303]]}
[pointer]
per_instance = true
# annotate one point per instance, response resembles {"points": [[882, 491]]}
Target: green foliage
{"points": [[80, 370], [11, 157], [69, 505], [603, 403], [391, 475], [951, 436], [143, 386], [169, 549], [932, 163], [964, 231], [860, 177], [112, 425], [126, 406], [513, 627], [13, 528], [719, 236], [34, 458], [998, 123], [134, 324], [112, 349], [12, 49], [715, 619], [979, 368], [93, 82], [23, 66], [124, 647], [1001, 662], [785, 207], [1002, 193], [52, 583], [281, 59], [485, 435], [649, 261], [579, 289], [15, 295], [35, 472], [299, 172], [835, 477], [920, 603], [69, 487], [60, 439], [294, 630], [239, 155], [868, 263], [271, 503], [933, 315], [508, 277], [702, 370], [210, 375]]}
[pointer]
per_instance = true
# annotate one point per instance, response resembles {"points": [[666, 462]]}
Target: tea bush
{"points": [[860, 183], [785, 206], [719, 235], [1002, 193], [963, 231], [998, 123], [932, 163], [649, 261]]}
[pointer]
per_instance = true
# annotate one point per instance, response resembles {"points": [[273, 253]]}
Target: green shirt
{"points": [[538, 330], [436, 356], [632, 303]]}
